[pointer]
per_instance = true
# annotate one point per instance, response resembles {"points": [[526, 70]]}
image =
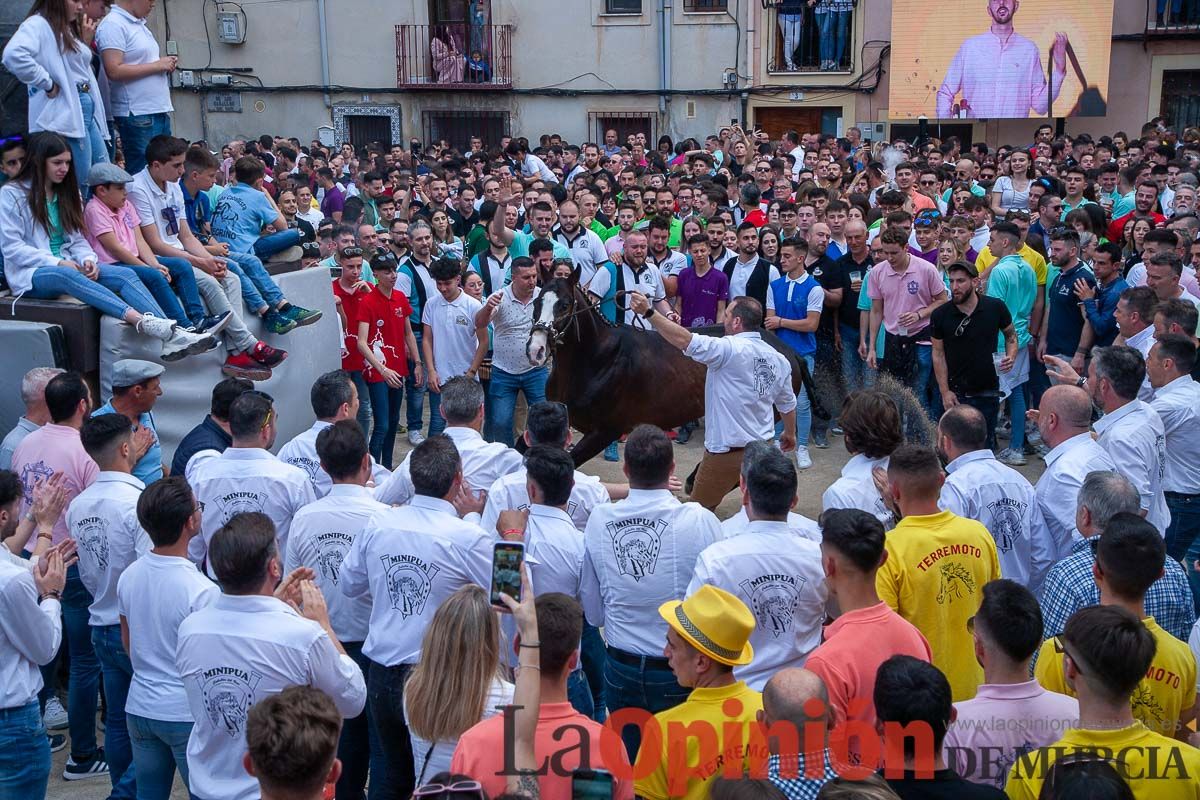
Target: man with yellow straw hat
{"points": [[708, 635]]}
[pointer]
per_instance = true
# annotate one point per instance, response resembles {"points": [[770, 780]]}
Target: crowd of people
{"points": [[317, 618]]}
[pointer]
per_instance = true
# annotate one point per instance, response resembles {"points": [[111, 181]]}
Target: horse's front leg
{"points": [[590, 445]]}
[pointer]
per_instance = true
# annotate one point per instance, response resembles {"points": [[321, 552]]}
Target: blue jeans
{"points": [[579, 693], [385, 406], [415, 394], [791, 26], [273, 243], [1016, 413], [502, 396], [364, 401], [921, 377], [89, 149], [437, 423], [648, 686], [83, 690], [593, 655], [385, 704], [117, 673], [1185, 523], [804, 408], [834, 26], [159, 748], [359, 747], [160, 288], [115, 291], [183, 281], [136, 132], [24, 753], [259, 291], [854, 368]]}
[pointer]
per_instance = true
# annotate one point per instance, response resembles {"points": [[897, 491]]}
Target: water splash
{"points": [[830, 387]]}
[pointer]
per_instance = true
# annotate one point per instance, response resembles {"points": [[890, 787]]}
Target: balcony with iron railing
{"points": [[808, 42], [454, 56]]}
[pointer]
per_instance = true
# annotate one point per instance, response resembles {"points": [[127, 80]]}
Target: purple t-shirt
{"points": [[698, 296], [333, 201]]}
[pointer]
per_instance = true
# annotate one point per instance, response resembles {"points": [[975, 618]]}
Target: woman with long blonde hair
{"points": [[458, 680]]}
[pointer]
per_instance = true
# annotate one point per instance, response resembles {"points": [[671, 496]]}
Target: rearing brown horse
{"points": [[615, 377]]}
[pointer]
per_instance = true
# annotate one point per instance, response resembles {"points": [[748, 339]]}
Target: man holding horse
{"points": [[747, 381], [510, 311]]}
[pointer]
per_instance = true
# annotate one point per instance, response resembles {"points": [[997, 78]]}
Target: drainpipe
{"points": [[323, 35], [664, 53]]}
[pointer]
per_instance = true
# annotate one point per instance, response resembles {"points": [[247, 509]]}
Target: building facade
{"points": [[397, 68], [363, 70]]}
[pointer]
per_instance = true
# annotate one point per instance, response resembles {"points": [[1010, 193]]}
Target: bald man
{"points": [[785, 698], [1065, 421]]}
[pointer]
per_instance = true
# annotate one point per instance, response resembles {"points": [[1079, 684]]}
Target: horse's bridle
{"points": [[568, 321]]}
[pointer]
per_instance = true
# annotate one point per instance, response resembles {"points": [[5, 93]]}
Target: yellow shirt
{"points": [[704, 707], [1168, 689], [1032, 257], [933, 577], [1154, 766]]}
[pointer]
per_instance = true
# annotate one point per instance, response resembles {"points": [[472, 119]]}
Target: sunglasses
{"points": [[926, 222], [168, 215], [1060, 647], [350, 252], [929, 183], [435, 789]]}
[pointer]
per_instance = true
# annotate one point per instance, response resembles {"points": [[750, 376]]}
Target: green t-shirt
{"points": [[864, 304], [1012, 280], [56, 231]]}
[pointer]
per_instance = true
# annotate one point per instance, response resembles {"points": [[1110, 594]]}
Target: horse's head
{"points": [[552, 312]]}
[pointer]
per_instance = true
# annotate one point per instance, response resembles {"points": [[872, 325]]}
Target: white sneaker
{"points": [[182, 343], [803, 460], [55, 716], [415, 438], [157, 327]]}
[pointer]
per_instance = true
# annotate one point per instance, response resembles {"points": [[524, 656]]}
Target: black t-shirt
{"points": [[945, 783], [459, 224], [969, 342], [848, 313], [829, 275]]}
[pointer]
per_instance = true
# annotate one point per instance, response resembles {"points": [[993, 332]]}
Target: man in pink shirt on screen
{"points": [[1000, 73]]}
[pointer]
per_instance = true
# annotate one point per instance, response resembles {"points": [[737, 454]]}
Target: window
{"points": [[624, 123], [622, 6], [364, 130], [705, 5], [457, 127], [1181, 98]]}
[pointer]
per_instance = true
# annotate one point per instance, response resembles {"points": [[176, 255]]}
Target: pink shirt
{"points": [[50, 449], [856, 643], [1002, 721], [906, 291], [99, 218], [481, 752]]}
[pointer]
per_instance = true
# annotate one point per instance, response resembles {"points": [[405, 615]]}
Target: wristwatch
{"points": [[649, 313]]}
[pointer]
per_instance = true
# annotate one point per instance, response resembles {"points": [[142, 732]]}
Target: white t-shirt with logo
{"points": [[454, 337]]}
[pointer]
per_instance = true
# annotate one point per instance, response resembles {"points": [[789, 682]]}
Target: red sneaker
{"points": [[243, 366], [266, 355]]}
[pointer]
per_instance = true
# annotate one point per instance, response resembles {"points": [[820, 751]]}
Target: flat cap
{"points": [[132, 371]]}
